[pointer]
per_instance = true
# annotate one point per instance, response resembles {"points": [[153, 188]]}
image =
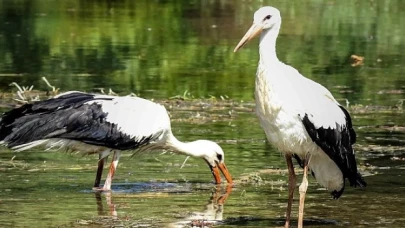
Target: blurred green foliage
{"points": [[160, 49]]}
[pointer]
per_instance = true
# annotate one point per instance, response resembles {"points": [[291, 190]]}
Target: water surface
{"points": [[164, 49]]}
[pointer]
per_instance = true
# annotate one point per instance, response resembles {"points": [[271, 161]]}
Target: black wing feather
{"points": [[349, 125], [337, 144], [66, 117], [40, 107]]}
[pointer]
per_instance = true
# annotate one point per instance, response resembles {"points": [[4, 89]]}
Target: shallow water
{"points": [[163, 49]]}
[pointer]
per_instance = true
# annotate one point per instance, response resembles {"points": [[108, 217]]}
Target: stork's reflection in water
{"points": [[211, 214], [111, 206]]}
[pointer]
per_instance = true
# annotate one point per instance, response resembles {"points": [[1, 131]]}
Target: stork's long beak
{"points": [[217, 176], [254, 30]]}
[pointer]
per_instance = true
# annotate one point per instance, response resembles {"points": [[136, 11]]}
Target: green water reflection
{"points": [[163, 48], [160, 49]]}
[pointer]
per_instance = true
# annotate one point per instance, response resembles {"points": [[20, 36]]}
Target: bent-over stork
{"points": [[102, 124], [301, 118]]}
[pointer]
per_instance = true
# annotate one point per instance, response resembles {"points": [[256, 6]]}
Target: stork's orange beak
{"points": [[254, 30], [217, 175]]}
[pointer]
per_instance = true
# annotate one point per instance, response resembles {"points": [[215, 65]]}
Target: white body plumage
{"points": [[124, 111], [283, 96]]}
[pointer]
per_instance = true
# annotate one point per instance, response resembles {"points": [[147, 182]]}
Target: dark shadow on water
{"points": [[275, 222], [142, 187]]}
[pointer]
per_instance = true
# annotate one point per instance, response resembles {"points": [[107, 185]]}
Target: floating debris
{"points": [[357, 60]]}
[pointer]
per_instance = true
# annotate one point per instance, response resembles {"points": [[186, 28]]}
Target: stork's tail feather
{"points": [[356, 179], [360, 181], [18, 127], [8, 118], [29, 145]]}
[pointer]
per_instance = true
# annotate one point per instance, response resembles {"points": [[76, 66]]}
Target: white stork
{"points": [[301, 118], [102, 124]]}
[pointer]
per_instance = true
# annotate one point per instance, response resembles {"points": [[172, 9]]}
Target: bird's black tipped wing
{"points": [[337, 143], [39, 108], [66, 117]]}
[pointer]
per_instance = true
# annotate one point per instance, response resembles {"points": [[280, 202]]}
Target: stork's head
{"points": [[215, 158], [265, 19]]}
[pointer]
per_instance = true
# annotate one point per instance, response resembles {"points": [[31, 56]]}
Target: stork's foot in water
{"points": [[108, 180], [101, 189]]}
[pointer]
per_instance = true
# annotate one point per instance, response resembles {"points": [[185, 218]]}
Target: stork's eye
{"points": [[219, 156], [267, 17]]}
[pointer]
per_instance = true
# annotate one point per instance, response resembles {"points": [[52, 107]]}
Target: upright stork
{"points": [[102, 124], [301, 118]]}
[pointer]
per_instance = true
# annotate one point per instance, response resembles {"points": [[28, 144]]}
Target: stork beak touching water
{"points": [[215, 170]]}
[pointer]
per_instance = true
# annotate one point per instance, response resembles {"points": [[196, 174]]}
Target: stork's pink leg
{"points": [[303, 189], [291, 188], [113, 168]]}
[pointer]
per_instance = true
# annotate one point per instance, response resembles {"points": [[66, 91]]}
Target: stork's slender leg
{"points": [[100, 168], [113, 167], [102, 159], [291, 188], [303, 189]]}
